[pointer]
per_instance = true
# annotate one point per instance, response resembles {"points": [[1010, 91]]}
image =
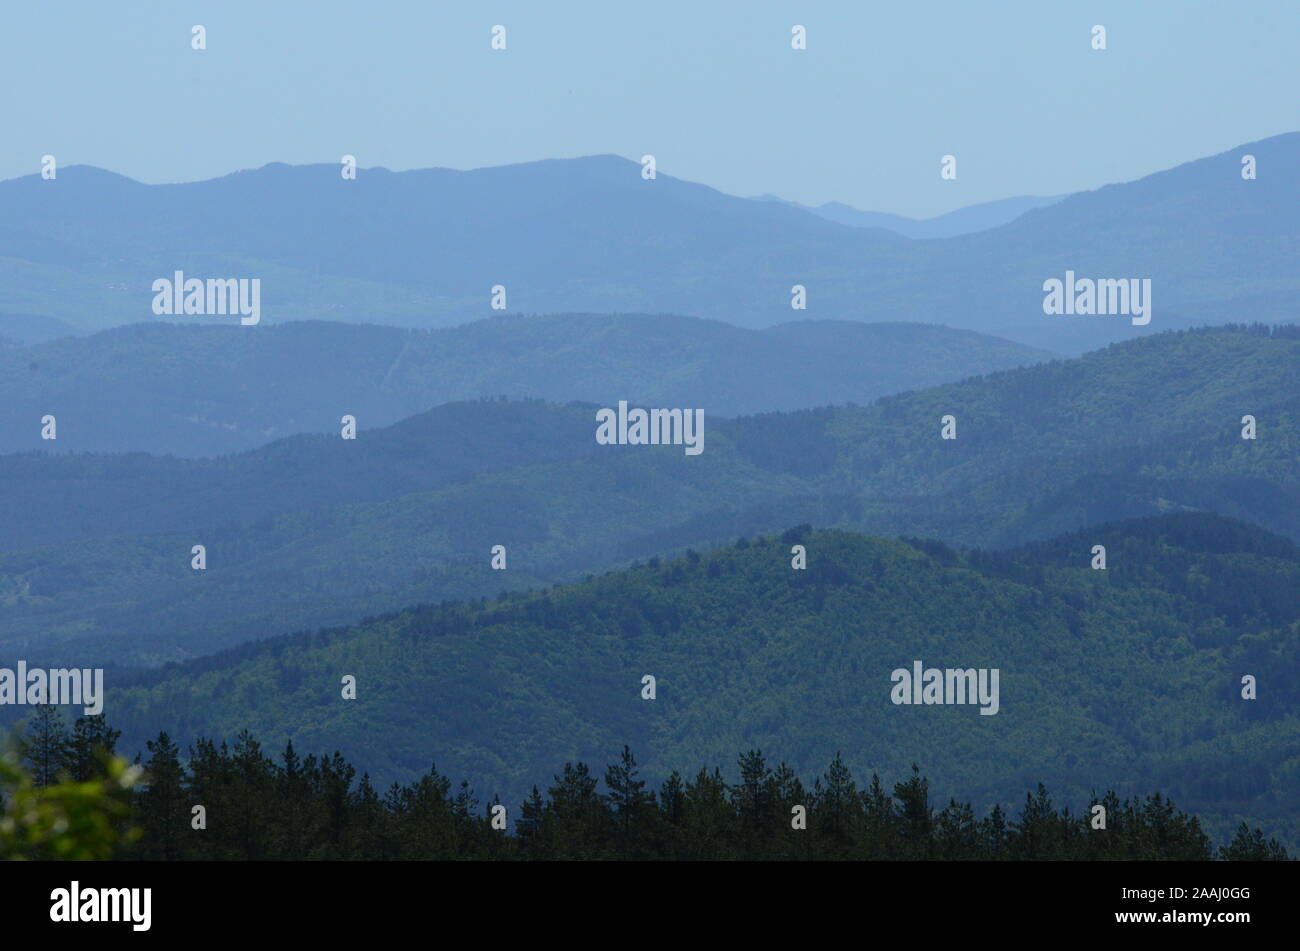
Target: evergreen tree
{"points": [[709, 827], [957, 833], [672, 814], [993, 835], [334, 787], [581, 820], [837, 808], [916, 817], [252, 797], [881, 839], [369, 835], [754, 800], [162, 806], [530, 825], [294, 805], [210, 784], [1250, 846], [93, 743], [308, 809], [425, 826], [784, 841], [631, 804], [46, 745]]}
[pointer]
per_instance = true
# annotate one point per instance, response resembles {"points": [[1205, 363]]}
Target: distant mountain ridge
{"points": [[425, 248]]}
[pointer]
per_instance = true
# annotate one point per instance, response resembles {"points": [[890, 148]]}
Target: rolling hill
{"points": [[1127, 678], [209, 390], [95, 553]]}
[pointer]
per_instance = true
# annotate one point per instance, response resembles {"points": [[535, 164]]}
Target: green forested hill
{"points": [[1127, 678], [319, 530]]}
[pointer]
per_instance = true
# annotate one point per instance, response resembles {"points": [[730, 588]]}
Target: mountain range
{"points": [[500, 579], [95, 554], [426, 248]]}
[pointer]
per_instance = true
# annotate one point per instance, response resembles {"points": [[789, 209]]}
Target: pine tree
{"points": [[709, 829], [581, 819], [754, 798], [93, 740], [530, 825], [46, 745], [837, 807], [369, 835], [631, 804], [1248, 846], [957, 832], [993, 834], [1041, 832], [881, 839], [783, 841], [164, 816], [252, 796], [210, 784], [335, 784], [915, 814], [294, 804], [425, 825], [671, 815]]}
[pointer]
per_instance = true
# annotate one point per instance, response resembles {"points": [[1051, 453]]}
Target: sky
{"points": [[864, 115]]}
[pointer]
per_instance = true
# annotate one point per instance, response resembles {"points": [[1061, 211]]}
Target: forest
{"points": [[312, 531], [66, 794]]}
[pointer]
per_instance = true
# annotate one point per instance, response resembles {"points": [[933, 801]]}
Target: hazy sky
{"points": [[710, 87]]}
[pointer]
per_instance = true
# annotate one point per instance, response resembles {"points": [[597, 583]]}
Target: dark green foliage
{"points": [[92, 744], [316, 809], [1127, 678], [1250, 846], [46, 745], [163, 806]]}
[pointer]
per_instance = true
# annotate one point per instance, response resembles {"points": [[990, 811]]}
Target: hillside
{"points": [[425, 248], [95, 553], [1127, 678], [208, 390]]}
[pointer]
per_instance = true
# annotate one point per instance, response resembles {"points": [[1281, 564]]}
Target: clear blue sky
{"points": [[711, 87]]}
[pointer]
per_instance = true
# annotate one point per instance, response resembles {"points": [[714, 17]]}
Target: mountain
{"points": [[95, 549], [208, 390], [21, 329], [420, 248], [1127, 678], [425, 248], [981, 217]]}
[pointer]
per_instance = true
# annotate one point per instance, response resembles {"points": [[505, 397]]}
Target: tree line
{"points": [[76, 798]]}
